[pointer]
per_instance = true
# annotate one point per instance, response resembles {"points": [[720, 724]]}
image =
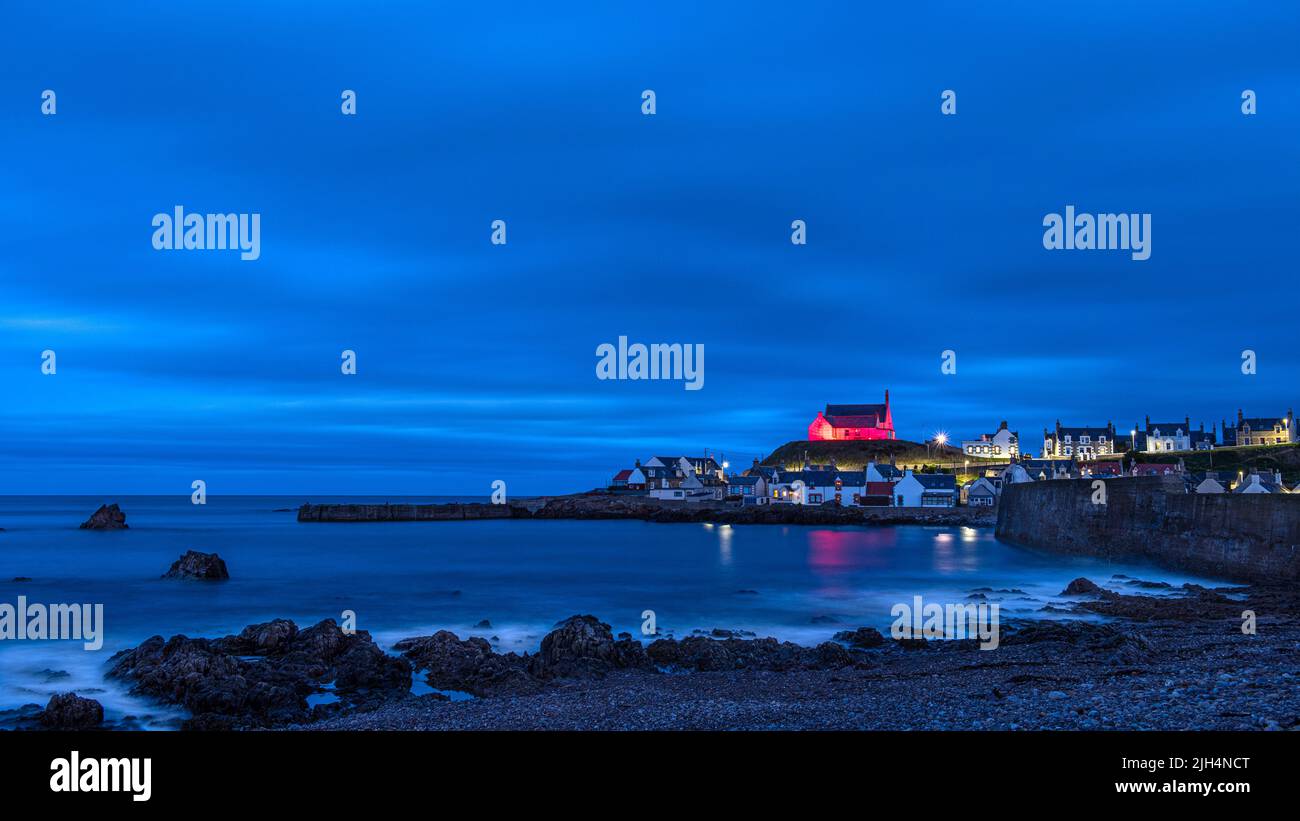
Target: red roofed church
{"points": [[846, 422]]}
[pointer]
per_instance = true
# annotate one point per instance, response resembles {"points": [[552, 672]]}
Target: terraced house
{"points": [[1262, 430], [1078, 443]]}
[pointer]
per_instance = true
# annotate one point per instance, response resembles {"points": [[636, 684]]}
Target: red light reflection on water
{"points": [[842, 551]]}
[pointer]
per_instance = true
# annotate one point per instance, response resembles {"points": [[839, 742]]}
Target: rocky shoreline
{"points": [[626, 506], [1173, 662], [1177, 660]]}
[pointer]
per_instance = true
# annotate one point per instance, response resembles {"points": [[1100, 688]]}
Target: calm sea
{"points": [[401, 579]]}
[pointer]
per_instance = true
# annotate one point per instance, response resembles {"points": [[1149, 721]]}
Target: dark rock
{"points": [[22, 578], [468, 665], [483, 625], [833, 656], [1082, 587], [69, 711], [824, 620], [693, 652], [863, 638], [585, 646], [1146, 585], [108, 517], [225, 689], [198, 566]]}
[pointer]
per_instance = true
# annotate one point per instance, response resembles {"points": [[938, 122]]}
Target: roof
{"points": [[623, 475], [1168, 428], [855, 416], [855, 410], [889, 471], [936, 481], [1154, 469], [743, 480], [1221, 476], [879, 489], [1083, 431], [1259, 422]]}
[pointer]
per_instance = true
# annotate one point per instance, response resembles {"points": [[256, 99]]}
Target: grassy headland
{"points": [[854, 455]]}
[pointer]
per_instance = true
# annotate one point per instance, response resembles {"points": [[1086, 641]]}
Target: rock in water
{"points": [[108, 517], [69, 711], [862, 638], [1082, 587], [263, 676], [199, 566]]}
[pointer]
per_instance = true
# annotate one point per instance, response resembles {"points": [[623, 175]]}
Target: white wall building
{"points": [[1002, 444], [926, 490]]}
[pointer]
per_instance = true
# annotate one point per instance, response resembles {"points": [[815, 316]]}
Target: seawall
{"points": [[1243, 537], [603, 506]]}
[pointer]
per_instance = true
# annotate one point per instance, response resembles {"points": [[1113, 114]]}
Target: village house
{"points": [[1003, 444], [850, 422], [663, 472], [1085, 443], [1256, 482], [926, 490], [980, 493], [1211, 481], [706, 466], [1162, 437], [748, 490], [818, 484], [1262, 430], [1154, 469], [878, 494], [1109, 469], [629, 479], [883, 473], [1038, 470]]}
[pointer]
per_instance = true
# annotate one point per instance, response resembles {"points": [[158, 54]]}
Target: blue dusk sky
{"points": [[477, 362]]}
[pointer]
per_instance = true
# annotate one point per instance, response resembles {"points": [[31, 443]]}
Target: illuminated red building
{"points": [[849, 422]]}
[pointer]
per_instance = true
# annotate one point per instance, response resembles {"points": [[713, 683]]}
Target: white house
{"points": [[926, 490], [882, 473], [1261, 483], [1015, 474], [664, 472], [1215, 482], [981, 493], [1000, 445], [685, 488], [1163, 437], [815, 487]]}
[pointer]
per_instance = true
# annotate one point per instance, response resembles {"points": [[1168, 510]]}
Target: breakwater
{"points": [[608, 506], [1244, 537]]}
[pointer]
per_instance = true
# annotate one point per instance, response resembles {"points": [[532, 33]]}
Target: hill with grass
{"points": [[855, 454]]}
